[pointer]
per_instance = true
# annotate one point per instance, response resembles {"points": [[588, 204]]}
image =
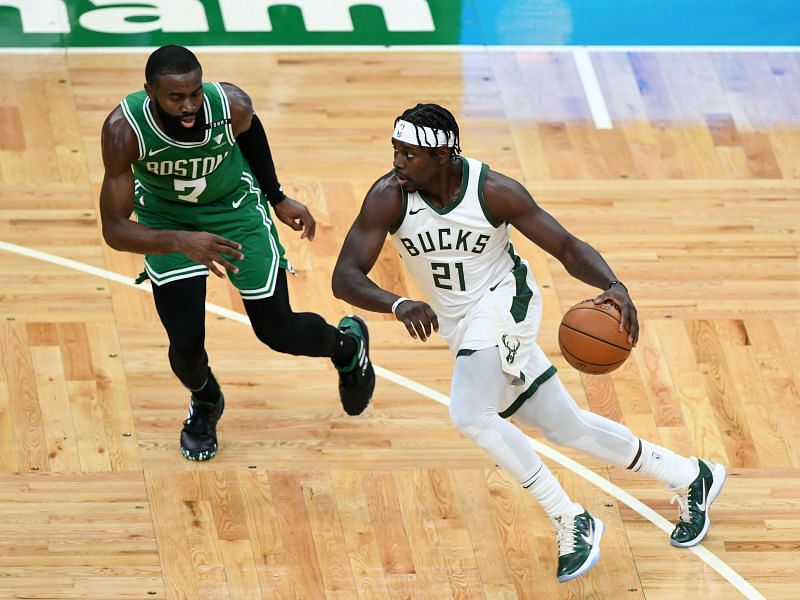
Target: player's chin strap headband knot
{"points": [[419, 135]]}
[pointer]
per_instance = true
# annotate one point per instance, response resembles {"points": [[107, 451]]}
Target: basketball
{"points": [[590, 339]]}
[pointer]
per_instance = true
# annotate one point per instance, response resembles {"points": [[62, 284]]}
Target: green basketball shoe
{"points": [[694, 503], [578, 544]]}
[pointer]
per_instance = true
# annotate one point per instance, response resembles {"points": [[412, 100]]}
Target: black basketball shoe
{"points": [[199, 433], [356, 380]]}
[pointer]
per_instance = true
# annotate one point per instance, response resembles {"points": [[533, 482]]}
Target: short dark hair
{"points": [[170, 60], [437, 118]]}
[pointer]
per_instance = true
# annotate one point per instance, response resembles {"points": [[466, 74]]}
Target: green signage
{"points": [[87, 23]]}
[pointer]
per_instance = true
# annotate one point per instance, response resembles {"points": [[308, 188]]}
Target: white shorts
{"points": [[492, 323]]}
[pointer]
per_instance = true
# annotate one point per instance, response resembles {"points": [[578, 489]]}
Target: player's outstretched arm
{"points": [[362, 246], [252, 139], [120, 150], [507, 200]]}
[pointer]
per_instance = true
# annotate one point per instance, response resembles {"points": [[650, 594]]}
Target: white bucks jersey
{"points": [[456, 253]]}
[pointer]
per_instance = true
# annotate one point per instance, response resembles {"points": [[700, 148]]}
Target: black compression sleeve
{"points": [[255, 149]]}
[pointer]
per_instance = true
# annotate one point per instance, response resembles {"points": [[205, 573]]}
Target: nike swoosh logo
{"points": [[236, 203], [494, 287], [589, 538], [702, 505], [154, 152], [413, 212]]}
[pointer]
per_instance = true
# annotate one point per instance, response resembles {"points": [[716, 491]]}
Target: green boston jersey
{"points": [[197, 172]]}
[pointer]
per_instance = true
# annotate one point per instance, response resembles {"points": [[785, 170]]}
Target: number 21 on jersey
{"points": [[443, 278]]}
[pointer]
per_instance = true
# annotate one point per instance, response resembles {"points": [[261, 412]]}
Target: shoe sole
{"points": [[199, 456], [719, 475], [594, 553]]}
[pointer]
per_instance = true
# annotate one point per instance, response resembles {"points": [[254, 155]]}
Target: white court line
{"points": [[711, 559], [591, 88]]}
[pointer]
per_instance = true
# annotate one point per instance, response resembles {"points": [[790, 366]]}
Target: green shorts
{"points": [[241, 216]]}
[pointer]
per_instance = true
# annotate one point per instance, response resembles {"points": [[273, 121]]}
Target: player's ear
{"points": [[442, 154]]}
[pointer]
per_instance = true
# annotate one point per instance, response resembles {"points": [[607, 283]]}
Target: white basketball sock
{"points": [[662, 464], [549, 493]]}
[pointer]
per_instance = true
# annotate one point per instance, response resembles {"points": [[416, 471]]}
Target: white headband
{"points": [[407, 132]]}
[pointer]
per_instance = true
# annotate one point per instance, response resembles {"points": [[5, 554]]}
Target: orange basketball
{"points": [[590, 339]]}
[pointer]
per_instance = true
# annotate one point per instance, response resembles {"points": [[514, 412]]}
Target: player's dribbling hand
{"points": [[297, 216], [418, 317], [618, 295], [209, 250]]}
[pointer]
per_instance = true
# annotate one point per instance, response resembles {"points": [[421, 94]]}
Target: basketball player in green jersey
{"points": [[192, 160], [449, 218]]}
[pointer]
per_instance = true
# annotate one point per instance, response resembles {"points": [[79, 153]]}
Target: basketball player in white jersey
{"points": [[449, 218]]}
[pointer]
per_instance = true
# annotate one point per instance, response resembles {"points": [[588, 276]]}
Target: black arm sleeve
{"points": [[255, 149]]}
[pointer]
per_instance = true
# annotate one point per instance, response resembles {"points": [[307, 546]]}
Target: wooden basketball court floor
{"points": [[693, 198]]}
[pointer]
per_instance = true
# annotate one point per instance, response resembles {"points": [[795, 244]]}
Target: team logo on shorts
{"points": [[512, 345]]}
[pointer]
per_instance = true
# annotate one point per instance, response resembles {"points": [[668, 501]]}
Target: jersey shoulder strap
{"points": [[132, 108], [477, 180], [220, 109]]}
